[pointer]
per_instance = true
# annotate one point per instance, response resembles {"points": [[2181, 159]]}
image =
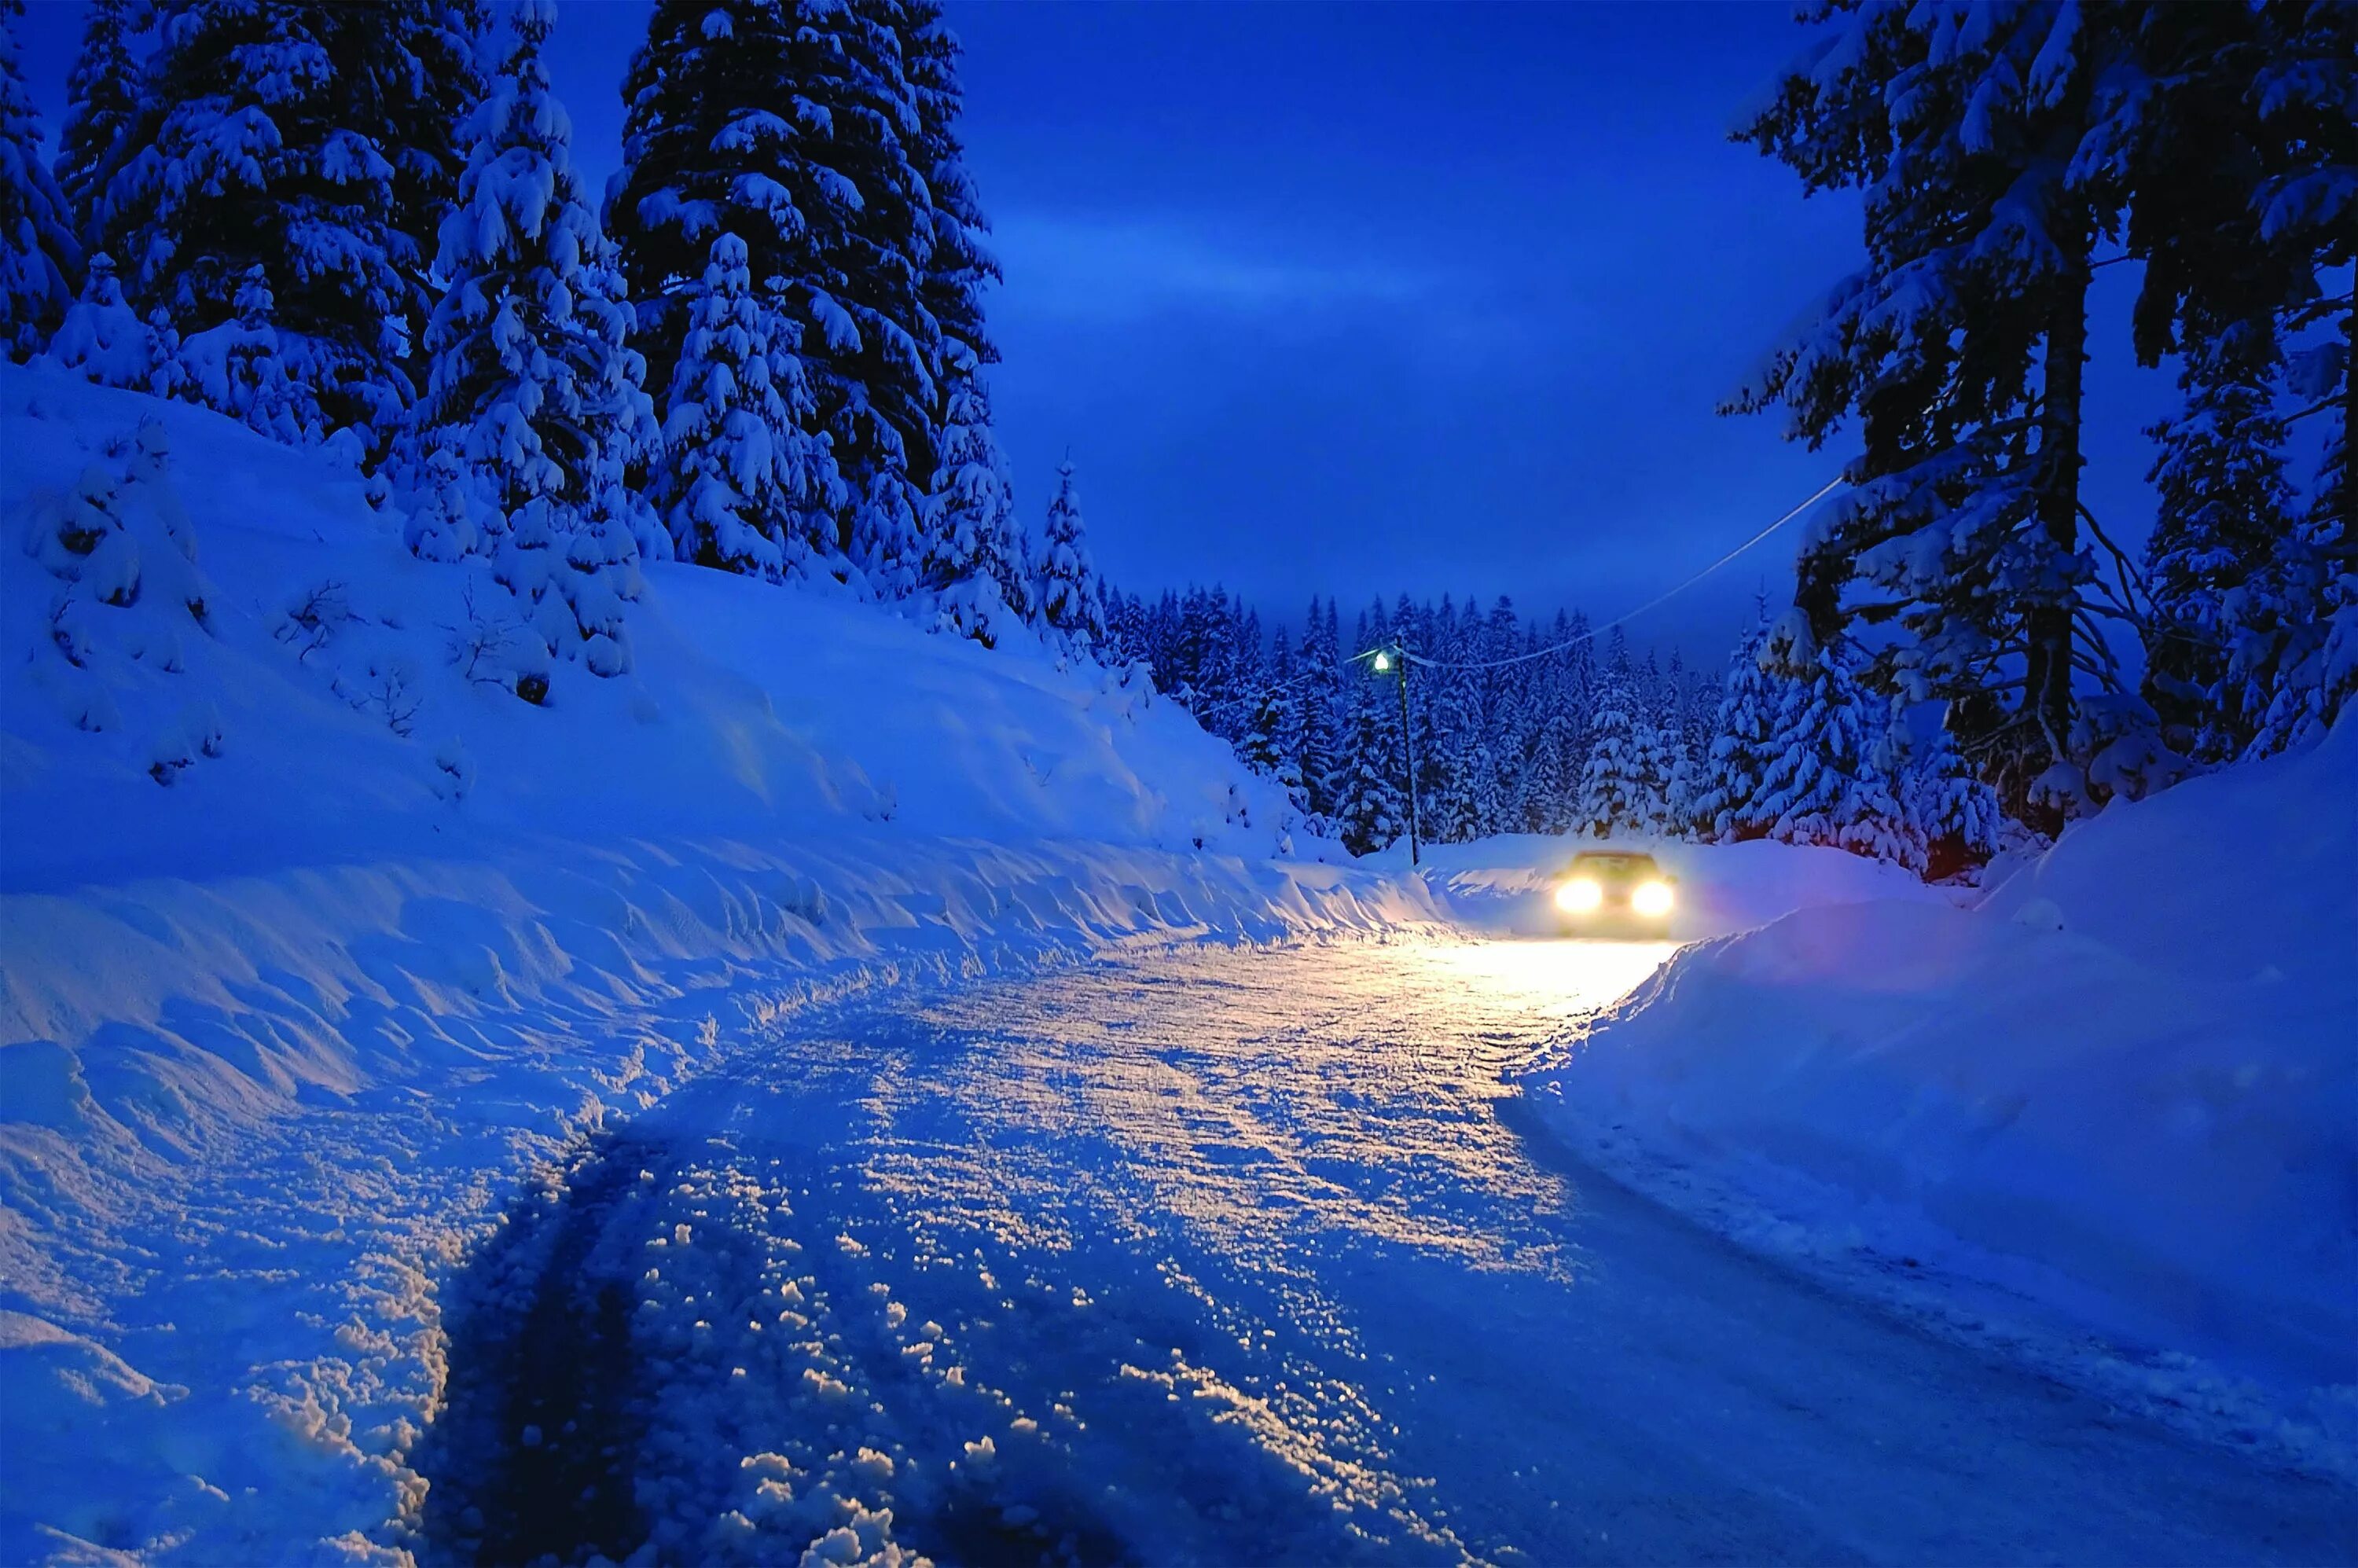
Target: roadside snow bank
{"points": [[246, 1124], [316, 936], [1508, 884], [2117, 1097]]}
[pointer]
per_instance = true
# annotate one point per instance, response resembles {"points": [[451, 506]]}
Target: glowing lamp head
{"points": [[1382, 662], [1579, 895], [1652, 898]]}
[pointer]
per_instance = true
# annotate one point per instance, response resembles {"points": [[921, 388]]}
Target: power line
{"points": [[1657, 602], [1654, 603]]}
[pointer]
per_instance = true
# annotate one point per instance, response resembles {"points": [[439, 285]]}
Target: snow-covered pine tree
{"points": [[260, 147], [1729, 807], [1823, 783], [610, 379], [1506, 716], [1612, 799], [1322, 704], [505, 351], [599, 573], [1625, 780], [737, 479], [239, 367], [40, 261], [1549, 788], [102, 101], [2224, 502], [424, 78], [443, 524], [1262, 748], [2297, 619], [103, 338], [1961, 347], [968, 506], [1290, 733], [794, 125], [1368, 811], [1070, 606], [958, 262], [1947, 813]]}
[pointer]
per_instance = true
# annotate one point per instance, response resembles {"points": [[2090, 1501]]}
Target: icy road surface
{"points": [[1234, 1257]]}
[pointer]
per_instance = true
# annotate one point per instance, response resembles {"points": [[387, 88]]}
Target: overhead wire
{"points": [[1592, 632], [1595, 632]]}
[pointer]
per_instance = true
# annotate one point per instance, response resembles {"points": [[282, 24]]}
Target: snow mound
{"points": [[2116, 1097], [325, 915]]}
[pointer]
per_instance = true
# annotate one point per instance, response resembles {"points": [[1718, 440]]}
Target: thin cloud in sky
{"points": [[1109, 269]]}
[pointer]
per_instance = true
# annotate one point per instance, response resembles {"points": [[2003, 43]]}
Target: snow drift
{"points": [[314, 935], [2117, 1096]]}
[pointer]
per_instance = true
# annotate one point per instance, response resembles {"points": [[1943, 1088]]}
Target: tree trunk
{"points": [[2047, 695]]}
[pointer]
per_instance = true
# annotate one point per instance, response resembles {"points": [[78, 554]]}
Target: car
{"points": [[1615, 890]]}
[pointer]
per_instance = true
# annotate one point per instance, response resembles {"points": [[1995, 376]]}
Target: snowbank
{"points": [[2119, 1095], [315, 935]]}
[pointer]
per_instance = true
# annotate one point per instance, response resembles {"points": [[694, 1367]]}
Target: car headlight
{"points": [[1652, 898], [1579, 895]]}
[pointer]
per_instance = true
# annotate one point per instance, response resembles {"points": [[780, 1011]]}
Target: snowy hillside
{"points": [[2116, 1097], [309, 944], [334, 667]]}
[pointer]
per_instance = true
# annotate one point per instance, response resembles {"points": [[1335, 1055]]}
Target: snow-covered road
{"points": [[1234, 1256]]}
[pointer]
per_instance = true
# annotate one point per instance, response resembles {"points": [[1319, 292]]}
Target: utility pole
{"points": [[1408, 749], [1380, 660]]}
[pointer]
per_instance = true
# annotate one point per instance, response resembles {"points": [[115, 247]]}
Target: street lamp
{"points": [[1381, 662]]}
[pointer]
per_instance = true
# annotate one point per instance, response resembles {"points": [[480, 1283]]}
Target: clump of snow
{"points": [[323, 918], [2116, 1097]]}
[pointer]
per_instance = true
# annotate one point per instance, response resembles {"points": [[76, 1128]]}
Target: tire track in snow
{"points": [[1228, 1257]]}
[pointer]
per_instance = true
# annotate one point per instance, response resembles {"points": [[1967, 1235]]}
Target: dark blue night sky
{"points": [[1356, 299]]}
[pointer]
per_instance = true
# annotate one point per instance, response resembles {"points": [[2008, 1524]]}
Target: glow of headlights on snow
{"points": [[1558, 978], [1652, 898], [1578, 897]]}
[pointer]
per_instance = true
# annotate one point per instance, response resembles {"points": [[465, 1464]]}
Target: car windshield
{"points": [[1614, 865]]}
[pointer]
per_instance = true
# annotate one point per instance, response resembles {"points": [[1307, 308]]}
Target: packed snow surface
{"points": [[1228, 1257], [2119, 1098]]}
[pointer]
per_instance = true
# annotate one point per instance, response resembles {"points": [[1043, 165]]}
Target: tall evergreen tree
{"points": [[101, 102], [1960, 346], [2224, 502], [1625, 781], [1944, 808], [1323, 705], [261, 146], [424, 82], [1729, 807], [1823, 783], [1369, 810], [969, 509], [1070, 602], [40, 261], [508, 360], [738, 479], [611, 382], [795, 124]]}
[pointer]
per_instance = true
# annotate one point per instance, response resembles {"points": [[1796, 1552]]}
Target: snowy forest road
{"points": [[1233, 1257]]}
